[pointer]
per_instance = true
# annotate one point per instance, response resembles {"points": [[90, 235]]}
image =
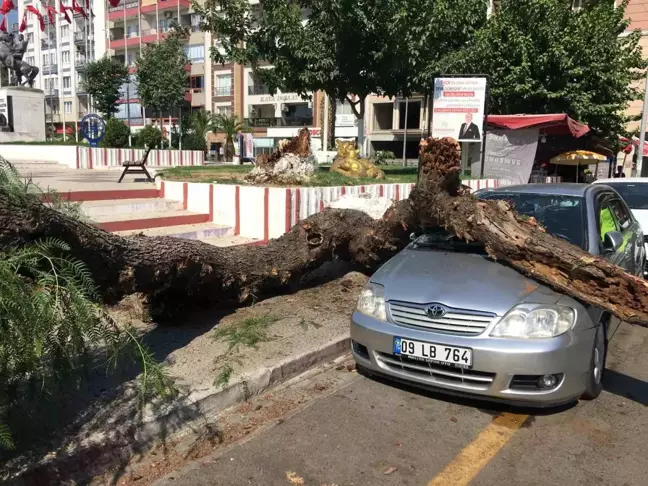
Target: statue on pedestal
{"points": [[11, 55]]}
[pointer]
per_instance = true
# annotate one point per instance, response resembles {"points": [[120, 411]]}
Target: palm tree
{"points": [[203, 122], [230, 126]]}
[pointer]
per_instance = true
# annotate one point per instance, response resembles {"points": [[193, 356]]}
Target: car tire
{"points": [[594, 384]]}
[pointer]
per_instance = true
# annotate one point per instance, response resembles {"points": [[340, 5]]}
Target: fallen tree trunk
{"points": [[176, 275]]}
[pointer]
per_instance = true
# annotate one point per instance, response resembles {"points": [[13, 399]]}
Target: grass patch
{"points": [[233, 174], [224, 375], [249, 332]]}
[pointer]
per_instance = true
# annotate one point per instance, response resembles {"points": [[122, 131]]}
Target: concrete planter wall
{"points": [[269, 212], [80, 157]]}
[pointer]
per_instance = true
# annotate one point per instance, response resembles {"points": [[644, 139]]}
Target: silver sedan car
{"points": [[442, 315]]}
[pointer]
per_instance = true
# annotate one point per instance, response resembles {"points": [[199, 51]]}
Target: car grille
{"points": [[436, 373], [454, 321]]}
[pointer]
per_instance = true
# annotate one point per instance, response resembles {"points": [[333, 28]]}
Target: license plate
{"points": [[434, 353]]}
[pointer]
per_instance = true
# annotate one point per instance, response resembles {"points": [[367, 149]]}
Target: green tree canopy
{"points": [[162, 74], [545, 57], [102, 80], [346, 47]]}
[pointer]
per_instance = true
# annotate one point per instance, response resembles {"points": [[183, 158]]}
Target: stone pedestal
{"points": [[22, 114]]}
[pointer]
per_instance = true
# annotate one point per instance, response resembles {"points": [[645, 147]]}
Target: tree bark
{"points": [[177, 275]]}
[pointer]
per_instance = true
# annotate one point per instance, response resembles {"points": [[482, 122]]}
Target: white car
{"points": [[634, 191]]}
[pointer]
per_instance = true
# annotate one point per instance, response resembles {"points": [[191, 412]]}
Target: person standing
{"points": [[619, 172]]}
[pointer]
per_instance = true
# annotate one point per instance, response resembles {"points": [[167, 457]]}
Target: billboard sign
{"points": [[458, 109]]}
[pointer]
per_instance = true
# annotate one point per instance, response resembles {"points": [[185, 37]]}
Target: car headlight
{"points": [[529, 321], [372, 301]]}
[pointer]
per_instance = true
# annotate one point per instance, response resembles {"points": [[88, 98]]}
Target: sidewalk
{"points": [[216, 362]]}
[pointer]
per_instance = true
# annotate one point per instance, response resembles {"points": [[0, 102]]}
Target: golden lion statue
{"points": [[347, 162]]}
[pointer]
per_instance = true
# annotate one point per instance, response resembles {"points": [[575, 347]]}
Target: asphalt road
{"points": [[368, 432]]}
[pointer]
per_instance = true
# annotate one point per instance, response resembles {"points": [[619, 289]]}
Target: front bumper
{"points": [[496, 361]]}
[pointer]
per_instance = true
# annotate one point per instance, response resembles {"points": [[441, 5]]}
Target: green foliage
{"points": [[51, 326], [381, 156], [224, 375], [161, 74], [230, 126], [194, 141], [117, 133], [202, 122], [102, 80], [250, 332], [346, 47], [545, 57], [149, 136]]}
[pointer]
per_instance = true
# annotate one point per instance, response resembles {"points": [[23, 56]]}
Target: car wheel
{"points": [[597, 365]]}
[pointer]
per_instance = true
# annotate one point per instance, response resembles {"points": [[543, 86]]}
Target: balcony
{"points": [[197, 97], [52, 117], [279, 122], [51, 93], [258, 90], [80, 39], [223, 91], [50, 69], [80, 65]]}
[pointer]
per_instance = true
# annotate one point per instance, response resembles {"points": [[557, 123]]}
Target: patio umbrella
{"points": [[578, 158]]}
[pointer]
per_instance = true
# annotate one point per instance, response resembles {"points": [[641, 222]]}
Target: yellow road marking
{"points": [[472, 459]]}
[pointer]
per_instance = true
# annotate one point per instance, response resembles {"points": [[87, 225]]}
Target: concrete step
{"points": [[149, 192], [202, 231], [147, 220], [132, 207]]}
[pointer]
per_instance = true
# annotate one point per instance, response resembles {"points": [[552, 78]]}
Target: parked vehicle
{"points": [[442, 314], [634, 191]]}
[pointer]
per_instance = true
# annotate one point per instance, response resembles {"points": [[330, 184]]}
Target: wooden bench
{"points": [[137, 167]]}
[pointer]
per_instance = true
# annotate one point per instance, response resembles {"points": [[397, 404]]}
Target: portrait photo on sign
{"points": [[458, 109]]}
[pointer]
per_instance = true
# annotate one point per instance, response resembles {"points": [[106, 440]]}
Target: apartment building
{"points": [[135, 23], [61, 52]]}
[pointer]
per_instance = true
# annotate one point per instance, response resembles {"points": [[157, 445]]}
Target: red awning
{"points": [[556, 124], [634, 142]]}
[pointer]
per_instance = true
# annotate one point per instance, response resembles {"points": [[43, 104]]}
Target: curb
{"points": [[242, 389], [120, 442]]}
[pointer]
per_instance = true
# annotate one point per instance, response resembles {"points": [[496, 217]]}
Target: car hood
{"points": [[459, 280]]}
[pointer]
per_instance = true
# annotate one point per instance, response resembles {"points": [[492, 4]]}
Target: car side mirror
{"points": [[612, 241]]}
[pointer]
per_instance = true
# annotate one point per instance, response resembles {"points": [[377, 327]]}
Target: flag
{"points": [[77, 9], [35, 11], [51, 13], [23, 22], [7, 6], [63, 10], [3, 24], [114, 3]]}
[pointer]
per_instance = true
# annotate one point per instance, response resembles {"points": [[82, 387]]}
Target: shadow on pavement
{"points": [[626, 386]]}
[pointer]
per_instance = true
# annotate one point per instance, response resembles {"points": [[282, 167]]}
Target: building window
{"points": [[67, 83], [196, 19], [65, 57], [223, 110], [195, 53], [65, 30], [343, 108], [223, 85], [67, 106], [196, 82]]}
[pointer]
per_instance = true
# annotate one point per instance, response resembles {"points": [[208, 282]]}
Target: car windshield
{"points": [[635, 195], [561, 216]]}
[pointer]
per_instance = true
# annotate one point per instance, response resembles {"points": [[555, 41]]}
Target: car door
{"points": [[632, 248], [606, 221]]}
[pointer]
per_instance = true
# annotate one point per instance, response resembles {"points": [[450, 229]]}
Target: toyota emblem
{"points": [[436, 311]]}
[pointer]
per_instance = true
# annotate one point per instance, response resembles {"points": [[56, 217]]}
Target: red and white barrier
{"points": [[269, 212], [102, 158]]}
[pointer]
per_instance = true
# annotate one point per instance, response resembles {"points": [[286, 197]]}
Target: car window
{"points": [[634, 194], [622, 215], [561, 216]]}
